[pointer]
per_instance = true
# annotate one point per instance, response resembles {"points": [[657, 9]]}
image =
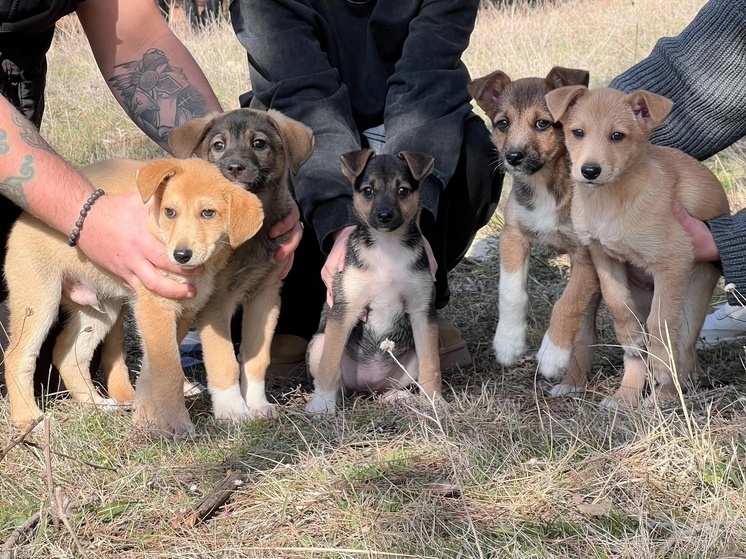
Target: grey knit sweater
{"points": [[703, 70]]}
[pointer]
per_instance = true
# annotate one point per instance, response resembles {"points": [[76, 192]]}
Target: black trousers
{"points": [[466, 205]]}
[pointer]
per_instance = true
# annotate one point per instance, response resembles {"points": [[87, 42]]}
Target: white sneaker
{"points": [[726, 324]]}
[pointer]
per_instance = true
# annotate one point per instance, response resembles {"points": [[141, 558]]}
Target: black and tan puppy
{"points": [[256, 150], [532, 151], [384, 298]]}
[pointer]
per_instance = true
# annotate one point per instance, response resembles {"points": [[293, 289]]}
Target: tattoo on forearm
{"points": [[4, 146], [29, 134], [12, 187], [157, 96]]}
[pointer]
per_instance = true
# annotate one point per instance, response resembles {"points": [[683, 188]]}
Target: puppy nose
{"points": [[384, 217], [590, 170], [234, 168], [514, 157], [182, 255]]}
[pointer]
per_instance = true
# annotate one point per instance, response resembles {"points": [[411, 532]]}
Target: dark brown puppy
{"points": [[384, 298], [256, 150], [532, 151]]}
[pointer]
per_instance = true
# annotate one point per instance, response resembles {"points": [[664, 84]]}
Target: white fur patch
{"points": [[228, 405], [553, 360], [509, 342], [256, 399], [562, 390], [323, 403]]}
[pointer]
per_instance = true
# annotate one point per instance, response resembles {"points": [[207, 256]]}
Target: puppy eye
{"points": [[617, 137], [367, 191], [542, 124], [170, 213], [502, 124], [402, 191], [578, 133], [218, 146], [208, 214], [258, 144]]}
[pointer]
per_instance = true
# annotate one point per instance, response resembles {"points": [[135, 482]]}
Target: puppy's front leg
{"points": [[159, 392], [223, 374], [629, 329], [509, 342], [340, 321], [425, 330], [568, 315]]}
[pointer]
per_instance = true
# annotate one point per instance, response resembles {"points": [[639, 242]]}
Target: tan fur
{"points": [[385, 275], [251, 278], [622, 209], [39, 258], [532, 150]]}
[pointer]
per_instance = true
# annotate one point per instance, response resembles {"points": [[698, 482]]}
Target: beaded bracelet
{"points": [[72, 240]]}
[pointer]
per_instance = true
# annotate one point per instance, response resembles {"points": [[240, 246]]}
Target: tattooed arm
{"points": [[115, 234], [147, 68]]}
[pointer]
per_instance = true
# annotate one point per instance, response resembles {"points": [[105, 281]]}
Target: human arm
{"points": [[115, 233], [149, 71], [427, 100], [703, 71]]}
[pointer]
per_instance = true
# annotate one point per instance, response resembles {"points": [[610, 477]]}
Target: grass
{"points": [[507, 472]]}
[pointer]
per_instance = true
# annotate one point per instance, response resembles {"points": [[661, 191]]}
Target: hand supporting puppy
{"points": [[116, 236], [291, 225], [705, 249]]}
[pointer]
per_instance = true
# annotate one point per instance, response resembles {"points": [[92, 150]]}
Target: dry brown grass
{"points": [[506, 473]]}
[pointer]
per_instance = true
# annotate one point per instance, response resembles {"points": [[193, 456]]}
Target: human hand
{"points": [[116, 236], [291, 225], [705, 249], [335, 261]]}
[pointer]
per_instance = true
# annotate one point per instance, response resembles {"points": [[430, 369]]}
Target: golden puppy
{"points": [[624, 191], [199, 215], [256, 150]]}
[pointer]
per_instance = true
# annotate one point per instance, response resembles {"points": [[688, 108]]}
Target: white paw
{"points": [[553, 360], [322, 405], [562, 389], [228, 404], [110, 405], [612, 403], [393, 397], [509, 343], [265, 411]]}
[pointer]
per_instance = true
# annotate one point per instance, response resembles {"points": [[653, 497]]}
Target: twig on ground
{"points": [[21, 437], [216, 498]]}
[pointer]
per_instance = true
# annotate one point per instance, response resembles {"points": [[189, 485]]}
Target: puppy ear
{"points": [[354, 162], [297, 139], [420, 164], [560, 100], [186, 139], [561, 77], [155, 175], [246, 216], [650, 109], [487, 90]]}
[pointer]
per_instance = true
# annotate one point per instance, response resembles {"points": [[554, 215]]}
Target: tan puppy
{"points": [[198, 214], [385, 295], [256, 150], [532, 150], [624, 190]]}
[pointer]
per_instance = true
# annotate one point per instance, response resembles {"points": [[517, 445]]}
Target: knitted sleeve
{"points": [[703, 71]]}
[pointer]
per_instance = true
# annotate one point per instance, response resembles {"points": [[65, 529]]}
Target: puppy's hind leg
{"points": [[83, 331], [33, 308], [509, 342]]}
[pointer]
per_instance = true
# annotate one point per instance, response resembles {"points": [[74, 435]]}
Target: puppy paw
{"points": [[509, 345], [176, 425], [615, 403], [564, 389], [266, 411], [322, 405], [228, 404], [393, 396], [553, 360], [111, 405]]}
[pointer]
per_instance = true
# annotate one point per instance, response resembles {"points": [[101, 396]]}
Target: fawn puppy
{"points": [[624, 188]]}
